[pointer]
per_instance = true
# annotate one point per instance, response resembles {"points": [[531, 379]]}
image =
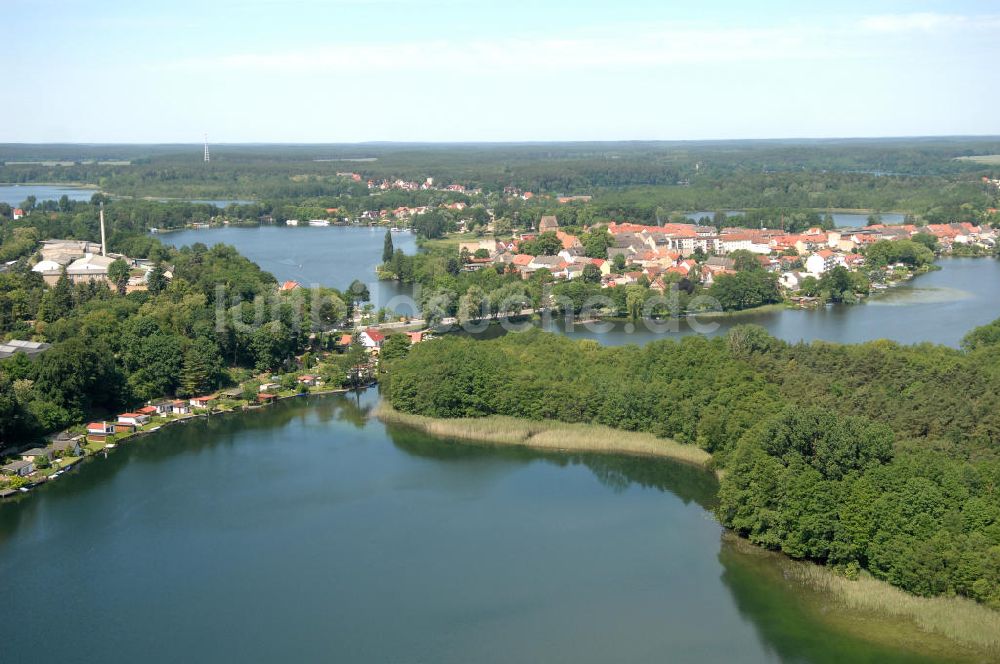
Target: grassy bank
{"points": [[948, 627], [554, 436]]}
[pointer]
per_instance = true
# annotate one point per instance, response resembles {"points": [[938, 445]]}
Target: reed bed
{"points": [[957, 618], [554, 436], [954, 626]]}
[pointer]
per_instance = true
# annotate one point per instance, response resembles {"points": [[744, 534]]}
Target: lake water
{"points": [[15, 194], [329, 256], [310, 532], [939, 307], [840, 219]]}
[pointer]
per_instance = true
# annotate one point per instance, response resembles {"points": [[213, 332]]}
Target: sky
{"points": [[336, 71]]}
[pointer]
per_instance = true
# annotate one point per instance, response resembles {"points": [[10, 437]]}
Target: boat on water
{"points": [[292, 222], [319, 222]]}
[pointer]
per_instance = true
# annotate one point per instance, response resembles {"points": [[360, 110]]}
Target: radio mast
{"points": [[206, 149]]}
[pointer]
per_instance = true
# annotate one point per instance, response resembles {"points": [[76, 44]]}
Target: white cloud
{"points": [[927, 22]]}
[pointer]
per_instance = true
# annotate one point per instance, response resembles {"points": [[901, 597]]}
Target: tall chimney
{"points": [[103, 244]]}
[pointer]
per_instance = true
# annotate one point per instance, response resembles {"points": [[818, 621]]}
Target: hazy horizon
{"points": [[514, 142]]}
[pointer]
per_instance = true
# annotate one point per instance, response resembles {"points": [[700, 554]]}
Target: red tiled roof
{"points": [[375, 335]]}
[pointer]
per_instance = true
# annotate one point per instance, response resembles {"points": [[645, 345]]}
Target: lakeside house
{"points": [[180, 407], [135, 419], [98, 432], [36, 453], [202, 402], [162, 406], [66, 445], [20, 468]]}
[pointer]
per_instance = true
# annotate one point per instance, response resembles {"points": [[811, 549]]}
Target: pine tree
{"points": [[200, 369], [387, 248]]}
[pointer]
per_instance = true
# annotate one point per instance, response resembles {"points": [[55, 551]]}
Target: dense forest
{"points": [[873, 456], [876, 173]]}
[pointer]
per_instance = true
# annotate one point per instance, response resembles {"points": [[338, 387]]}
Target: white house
{"points": [[137, 419], [372, 338]]}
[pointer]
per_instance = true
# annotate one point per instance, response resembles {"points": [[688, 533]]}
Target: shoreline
{"points": [[548, 436], [863, 606], [154, 426]]}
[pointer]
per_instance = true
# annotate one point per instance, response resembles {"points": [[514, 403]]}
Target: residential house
{"points": [[135, 419], [372, 338], [63, 447], [266, 397], [163, 406], [180, 407], [98, 432], [308, 380], [202, 402], [792, 280], [36, 453], [822, 261], [21, 468], [289, 286]]}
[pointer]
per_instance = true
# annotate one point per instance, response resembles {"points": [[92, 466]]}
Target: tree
{"points": [[118, 274], [358, 292], [546, 244], [201, 368], [152, 356], [596, 243], [591, 274], [156, 281], [387, 248], [14, 421], [745, 261], [394, 347], [745, 290], [58, 302], [619, 262], [926, 239]]}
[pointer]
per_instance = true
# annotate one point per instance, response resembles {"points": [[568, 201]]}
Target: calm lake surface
{"points": [[840, 219], [309, 532], [330, 256], [939, 307], [15, 194]]}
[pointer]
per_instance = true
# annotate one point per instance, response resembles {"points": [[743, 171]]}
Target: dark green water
{"points": [[309, 532]]}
